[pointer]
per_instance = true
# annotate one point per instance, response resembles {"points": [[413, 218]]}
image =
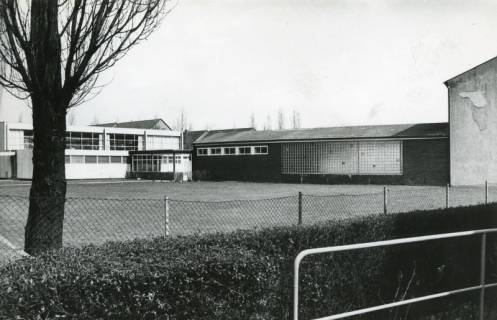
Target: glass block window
{"points": [[380, 157], [337, 158], [342, 157]]}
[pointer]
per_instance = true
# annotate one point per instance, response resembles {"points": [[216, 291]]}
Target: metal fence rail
{"points": [[97, 220], [387, 243]]}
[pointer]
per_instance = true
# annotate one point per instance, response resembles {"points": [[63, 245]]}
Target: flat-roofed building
{"points": [[92, 152], [383, 154]]}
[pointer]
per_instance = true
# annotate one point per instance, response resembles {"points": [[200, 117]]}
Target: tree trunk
{"points": [[48, 189]]}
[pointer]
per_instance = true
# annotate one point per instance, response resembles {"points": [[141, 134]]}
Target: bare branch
{"points": [[94, 35]]}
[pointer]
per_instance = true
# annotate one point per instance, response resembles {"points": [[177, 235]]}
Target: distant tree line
{"points": [[294, 121]]}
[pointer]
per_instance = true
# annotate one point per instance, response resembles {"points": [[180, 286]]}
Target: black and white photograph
{"points": [[248, 159]]}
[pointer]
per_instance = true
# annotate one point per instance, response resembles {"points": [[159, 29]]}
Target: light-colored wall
{"points": [[6, 165], [77, 170], [96, 170], [473, 125], [24, 164]]}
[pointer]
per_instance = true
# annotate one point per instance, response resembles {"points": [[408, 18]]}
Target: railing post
{"points": [[447, 196], [482, 274], [296, 288], [486, 192], [385, 200], [300, 207], [166, 217]]}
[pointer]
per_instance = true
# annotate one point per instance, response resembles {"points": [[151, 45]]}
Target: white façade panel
{"points": [[473, 126]]}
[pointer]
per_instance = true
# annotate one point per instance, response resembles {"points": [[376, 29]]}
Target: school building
{"points": [[102, 151]]}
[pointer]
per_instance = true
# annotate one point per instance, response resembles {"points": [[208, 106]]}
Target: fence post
{"points": [[482, 274], [385, 200], [166, 217], [486, 192], [300, 207], [447, 196]]}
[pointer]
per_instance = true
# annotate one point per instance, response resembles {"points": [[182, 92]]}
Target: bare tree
{"points": [[182, 122], [268, 124], [281, 119], [95, 120], [296, 122], [52, 53], [252, 121]]}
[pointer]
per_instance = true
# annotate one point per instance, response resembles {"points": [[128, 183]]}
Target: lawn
{"points": [[99, 211]]}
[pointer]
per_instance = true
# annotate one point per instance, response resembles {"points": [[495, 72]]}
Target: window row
{"points": [[23, 139], [157, 162], [84, 141], [96, 159], [125, 142], [228, 151]]}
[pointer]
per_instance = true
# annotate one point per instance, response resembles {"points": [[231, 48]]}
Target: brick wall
{"points": [[425, 162], [239, 167]]}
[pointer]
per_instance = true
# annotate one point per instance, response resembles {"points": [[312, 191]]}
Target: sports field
{"points": [[205, 191], [99, 211]]}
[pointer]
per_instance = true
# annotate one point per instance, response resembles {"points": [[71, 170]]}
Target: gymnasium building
{"points": [[462, 151], [388, 154]]}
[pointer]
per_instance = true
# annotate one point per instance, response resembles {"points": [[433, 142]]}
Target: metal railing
{"points": [[387, 243]]}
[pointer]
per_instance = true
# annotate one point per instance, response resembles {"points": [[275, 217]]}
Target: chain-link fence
{"points": [[96, 220]]}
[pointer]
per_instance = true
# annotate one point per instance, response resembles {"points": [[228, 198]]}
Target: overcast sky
{"points": [[336, 62]]}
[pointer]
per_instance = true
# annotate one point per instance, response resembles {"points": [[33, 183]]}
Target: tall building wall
{"points": [[473, 125]]}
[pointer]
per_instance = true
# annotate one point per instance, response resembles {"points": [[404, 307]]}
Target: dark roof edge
{"points": [[116, 124], [447, 82], [326, 139], [161, 151]]}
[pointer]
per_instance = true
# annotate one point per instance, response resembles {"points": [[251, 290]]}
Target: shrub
{"points": [[248, 274]]}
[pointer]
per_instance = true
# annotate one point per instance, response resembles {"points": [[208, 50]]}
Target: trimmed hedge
{"points": [[248, 274]]}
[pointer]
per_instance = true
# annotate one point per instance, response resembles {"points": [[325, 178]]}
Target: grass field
{"points": [[99, 211], [203, 191]]}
